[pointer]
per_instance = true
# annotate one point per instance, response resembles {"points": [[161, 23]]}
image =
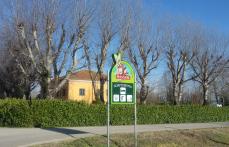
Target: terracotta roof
{"points": [[85, 75]]}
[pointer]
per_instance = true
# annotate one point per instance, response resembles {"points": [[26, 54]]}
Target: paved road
{"points": [[11, 137]]}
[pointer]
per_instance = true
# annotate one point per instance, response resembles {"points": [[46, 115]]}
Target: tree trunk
{"points": [[101, 90], [176, 93], [94, 88], [205, 94], [58, 85], [28, 92], [181, 83], [216, 93], [180, 94], [44, 92], [143, 92]]}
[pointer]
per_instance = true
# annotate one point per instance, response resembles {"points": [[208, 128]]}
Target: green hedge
{"points": [[57, 113]]}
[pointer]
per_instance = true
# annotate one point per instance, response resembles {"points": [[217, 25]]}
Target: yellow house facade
{"points": [[79, 87]]}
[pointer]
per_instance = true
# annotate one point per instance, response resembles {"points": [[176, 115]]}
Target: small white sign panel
{"points": [[116, 98], [122, 90], [123, 98], [129, 98]]}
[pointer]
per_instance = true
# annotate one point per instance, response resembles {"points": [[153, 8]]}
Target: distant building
{"points": [[79, 87]]}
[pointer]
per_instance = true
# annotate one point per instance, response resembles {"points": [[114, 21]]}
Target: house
{"points": [[79, 87]]}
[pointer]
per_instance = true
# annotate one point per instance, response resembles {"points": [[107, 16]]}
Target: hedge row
{"points": [[57, 113]]}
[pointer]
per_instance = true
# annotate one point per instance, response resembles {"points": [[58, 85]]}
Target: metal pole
{"points": [[108, 112], [135, 119]]}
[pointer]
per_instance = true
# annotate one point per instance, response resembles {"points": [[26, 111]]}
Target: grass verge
{"points": [[181, 138]]}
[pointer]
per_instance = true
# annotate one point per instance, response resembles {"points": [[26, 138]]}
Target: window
{"points": [[82, 92]]}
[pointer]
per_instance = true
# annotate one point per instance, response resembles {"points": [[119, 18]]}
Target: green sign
{"points": [[121, 82]]}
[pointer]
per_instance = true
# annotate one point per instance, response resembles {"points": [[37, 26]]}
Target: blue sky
{"points": [[211, 13]]}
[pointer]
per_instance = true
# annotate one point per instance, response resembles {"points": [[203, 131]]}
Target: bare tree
{"points": [[144, 54], [41, 29], [89, 63], [224, 87], [179, 53], [124, 28], [177, 63], [165, 88], [209, 62], [18, 80], [82, 18], [106, 29]]}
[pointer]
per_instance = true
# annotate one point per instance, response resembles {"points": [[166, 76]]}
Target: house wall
{"points": [[74, 87]]}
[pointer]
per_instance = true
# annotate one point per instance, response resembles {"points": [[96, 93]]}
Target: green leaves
{"points": [[58, 113], [15, 113]]}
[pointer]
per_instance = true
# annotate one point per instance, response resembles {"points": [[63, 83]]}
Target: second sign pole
{"points": [[135, 118], [108, 115]]}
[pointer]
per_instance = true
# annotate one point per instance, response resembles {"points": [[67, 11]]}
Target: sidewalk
{"points": [[12, 137]]}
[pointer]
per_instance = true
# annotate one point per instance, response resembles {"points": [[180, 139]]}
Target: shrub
{"points": [[15, 113], [58, 113]]}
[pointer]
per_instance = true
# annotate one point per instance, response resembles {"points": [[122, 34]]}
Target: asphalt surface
{"points": [[14, 137]]}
